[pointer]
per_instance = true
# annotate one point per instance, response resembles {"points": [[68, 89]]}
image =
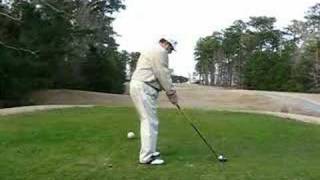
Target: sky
{"points": [[144, 22]]}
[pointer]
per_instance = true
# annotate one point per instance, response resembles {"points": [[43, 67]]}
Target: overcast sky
{"points": [[145, 21]]}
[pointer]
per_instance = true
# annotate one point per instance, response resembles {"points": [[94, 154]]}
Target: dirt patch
{"points": [[193, 96], [72, 97]]}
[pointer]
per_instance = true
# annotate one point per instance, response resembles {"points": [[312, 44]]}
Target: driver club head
{"points": [[222, 158]]}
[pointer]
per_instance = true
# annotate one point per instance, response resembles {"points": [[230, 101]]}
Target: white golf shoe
{"points": [[156, 154], [156, 161]]}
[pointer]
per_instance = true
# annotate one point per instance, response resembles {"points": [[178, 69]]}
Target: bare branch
{"points": [[18, 49], [52, 7], [10, 17]]}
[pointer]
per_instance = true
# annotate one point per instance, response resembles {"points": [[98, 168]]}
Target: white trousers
{"points": [[145, 98]]}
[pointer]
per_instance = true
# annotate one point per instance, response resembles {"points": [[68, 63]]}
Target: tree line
{"points": [[257, 55], [59, 44]]}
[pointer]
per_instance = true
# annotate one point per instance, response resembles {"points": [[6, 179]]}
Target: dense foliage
{"points": [[59, 44], [256, 55]]}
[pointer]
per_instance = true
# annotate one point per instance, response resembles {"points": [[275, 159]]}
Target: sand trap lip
{"points": [[299, 106], [26, 109], [298, 117]]}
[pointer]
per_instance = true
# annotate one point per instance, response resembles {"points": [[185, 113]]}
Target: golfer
{"points": [[151, 76]]}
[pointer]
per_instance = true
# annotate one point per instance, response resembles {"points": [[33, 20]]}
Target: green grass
{"points": [[91, 143]]}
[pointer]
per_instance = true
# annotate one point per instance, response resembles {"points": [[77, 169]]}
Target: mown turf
{"points": [[91, 143]]}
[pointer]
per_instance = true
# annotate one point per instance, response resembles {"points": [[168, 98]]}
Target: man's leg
{"points": [[145, 100]]}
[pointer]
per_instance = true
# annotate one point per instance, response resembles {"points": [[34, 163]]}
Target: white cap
{"points": [[173, 43]]}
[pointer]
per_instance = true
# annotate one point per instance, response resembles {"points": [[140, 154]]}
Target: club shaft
{"points": [[198, 132]]}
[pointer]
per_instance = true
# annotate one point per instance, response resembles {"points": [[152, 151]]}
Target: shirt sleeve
{"points": [[161, 71]]}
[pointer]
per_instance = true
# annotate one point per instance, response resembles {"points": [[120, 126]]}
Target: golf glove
{"points": [[172, 96]]}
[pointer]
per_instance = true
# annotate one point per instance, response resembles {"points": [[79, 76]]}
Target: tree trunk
{"points": [[212, 74], [230, 73], [206, 78]]}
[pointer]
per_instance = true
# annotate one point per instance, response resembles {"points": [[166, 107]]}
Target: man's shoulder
{"points": [[155, 50]]}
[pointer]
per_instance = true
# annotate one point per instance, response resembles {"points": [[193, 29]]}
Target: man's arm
{"points": [[162, 72]]}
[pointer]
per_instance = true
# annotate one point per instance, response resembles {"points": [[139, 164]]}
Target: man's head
{"points": [[168, 44]]}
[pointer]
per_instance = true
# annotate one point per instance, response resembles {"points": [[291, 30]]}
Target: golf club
{"points": [[219, 157]]}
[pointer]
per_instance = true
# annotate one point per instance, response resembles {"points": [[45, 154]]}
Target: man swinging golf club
{"points": [[151, 76]]}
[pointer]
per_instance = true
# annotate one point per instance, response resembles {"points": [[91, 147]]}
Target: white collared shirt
{"points": [[152, 67]]}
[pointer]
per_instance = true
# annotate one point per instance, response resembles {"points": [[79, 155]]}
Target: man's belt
{"points": [[152, 85]]}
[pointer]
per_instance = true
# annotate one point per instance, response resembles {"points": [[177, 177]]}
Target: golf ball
{"points": [[131, 135], [38, 6], [220, 157]]}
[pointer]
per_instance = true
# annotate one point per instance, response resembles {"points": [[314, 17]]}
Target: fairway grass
{"points": [[91, 143]]}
